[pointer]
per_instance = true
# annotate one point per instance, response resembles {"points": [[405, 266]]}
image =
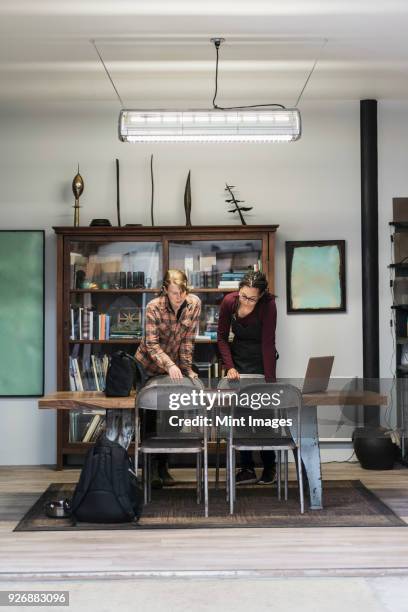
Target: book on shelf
{"points": [[99, 372], [80, 311], [95, 373], [72, 383], [76, 375], [101, 327], [92, 426], [231, 280], [100, 429]]}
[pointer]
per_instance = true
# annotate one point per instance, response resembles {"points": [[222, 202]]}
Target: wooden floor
{"points": [[277, 551]]}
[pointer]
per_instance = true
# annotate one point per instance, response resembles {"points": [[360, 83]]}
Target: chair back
{"points": [[160, 393], [261, 400]]}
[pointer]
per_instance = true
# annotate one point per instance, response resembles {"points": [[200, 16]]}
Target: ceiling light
{"points": [[261, 125], [252, 123]]}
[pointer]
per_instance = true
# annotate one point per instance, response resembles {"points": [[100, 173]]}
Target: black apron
{"points": [[246, 347]]}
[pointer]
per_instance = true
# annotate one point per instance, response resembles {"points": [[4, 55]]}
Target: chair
{"points": [[290, 404], [155, 395]]}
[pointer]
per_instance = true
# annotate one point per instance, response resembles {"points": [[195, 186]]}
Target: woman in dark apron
{"points": [[250, 314]]}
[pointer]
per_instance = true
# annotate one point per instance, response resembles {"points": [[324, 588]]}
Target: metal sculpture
{"points": [[187, 200], [232, 201], [77, 188]]}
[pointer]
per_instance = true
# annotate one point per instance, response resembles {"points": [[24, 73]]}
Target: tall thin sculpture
{"points": [[77, 188], [152, 194], [117, 192], [187, 200]]}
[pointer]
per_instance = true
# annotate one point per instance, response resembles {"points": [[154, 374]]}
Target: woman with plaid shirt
{"points": [[168, 344]]}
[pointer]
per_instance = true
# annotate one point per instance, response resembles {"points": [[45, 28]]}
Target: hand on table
{"points": [[175, 373], [233, 374]]}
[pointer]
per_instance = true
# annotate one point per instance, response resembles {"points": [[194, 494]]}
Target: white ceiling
{"points": [[158, 52]]}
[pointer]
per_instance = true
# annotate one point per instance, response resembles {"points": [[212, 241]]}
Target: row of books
{"points": [[88, 376], [86, 427], [203, 279], [221, 280], [87, 324], [230, 280]]}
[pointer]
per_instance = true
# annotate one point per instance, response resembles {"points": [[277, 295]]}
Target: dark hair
{"points": [[257, 280]]}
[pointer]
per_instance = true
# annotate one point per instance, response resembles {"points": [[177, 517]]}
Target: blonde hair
{"points": [[177, 277]]}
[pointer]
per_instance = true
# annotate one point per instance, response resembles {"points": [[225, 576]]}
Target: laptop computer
{"points": [[317, 374]]}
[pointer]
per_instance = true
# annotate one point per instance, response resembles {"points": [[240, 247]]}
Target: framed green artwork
{"points": [[21, 313], [315, 276]]}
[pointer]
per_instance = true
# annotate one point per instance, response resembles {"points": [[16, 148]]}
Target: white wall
{"points": [[310, 188]]}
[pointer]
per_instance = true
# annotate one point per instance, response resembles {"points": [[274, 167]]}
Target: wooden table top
{"points": [[74, 400]]}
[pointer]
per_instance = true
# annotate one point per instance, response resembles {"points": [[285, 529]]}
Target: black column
{"points": [[369, 249]]}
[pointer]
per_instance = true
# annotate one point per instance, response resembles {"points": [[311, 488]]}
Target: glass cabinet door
{"points": [[215, 264], [115, 265], [110, 286]]}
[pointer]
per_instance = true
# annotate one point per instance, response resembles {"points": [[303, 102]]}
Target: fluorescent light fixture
{"points": [[215, 125]]}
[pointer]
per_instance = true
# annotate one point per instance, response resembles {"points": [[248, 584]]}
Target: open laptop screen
{"points": [[317, 374]]}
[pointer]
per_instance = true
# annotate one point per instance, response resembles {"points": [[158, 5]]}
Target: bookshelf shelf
{"points": [[136, 341], [213, 289], [112, 258], [130, 291], [399, 225], [110, 341], [115, 291]]}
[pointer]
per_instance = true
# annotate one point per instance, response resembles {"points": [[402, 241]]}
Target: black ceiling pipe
{"points": [[369, 252]]}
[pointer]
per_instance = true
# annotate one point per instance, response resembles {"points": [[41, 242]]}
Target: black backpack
{"points": [[120, 376], [107, 491]]}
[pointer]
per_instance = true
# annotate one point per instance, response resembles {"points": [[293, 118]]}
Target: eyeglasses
{"points": [[245, 298]]}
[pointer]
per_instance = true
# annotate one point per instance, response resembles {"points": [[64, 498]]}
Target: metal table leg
{"points": [[311, 455]]}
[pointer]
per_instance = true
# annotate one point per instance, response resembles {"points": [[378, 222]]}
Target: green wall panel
{"points": [[21, 313]]}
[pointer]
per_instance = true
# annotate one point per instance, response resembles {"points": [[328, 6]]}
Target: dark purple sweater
{"points": [[266, 311]]}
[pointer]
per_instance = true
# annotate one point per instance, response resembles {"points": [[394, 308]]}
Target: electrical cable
{"points": [[348, 460], [217, 43]]}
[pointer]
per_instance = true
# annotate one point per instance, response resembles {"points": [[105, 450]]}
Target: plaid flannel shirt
{"points": [[167, 341]]}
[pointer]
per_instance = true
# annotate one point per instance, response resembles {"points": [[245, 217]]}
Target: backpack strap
{"points": [[85, 480], [119, 456]]}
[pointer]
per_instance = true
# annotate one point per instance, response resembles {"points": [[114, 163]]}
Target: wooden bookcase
{"points": [[399, 285], [115, 271]]}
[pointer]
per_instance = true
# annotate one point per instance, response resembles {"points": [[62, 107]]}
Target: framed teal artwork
{"points": [[316, 276], [21, 313]]}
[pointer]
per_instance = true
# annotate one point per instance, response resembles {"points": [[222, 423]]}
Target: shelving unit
{"points": [[399, 284], [94, 263]]}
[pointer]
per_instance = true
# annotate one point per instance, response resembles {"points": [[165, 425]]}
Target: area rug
{"points": [[347, 503]]}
